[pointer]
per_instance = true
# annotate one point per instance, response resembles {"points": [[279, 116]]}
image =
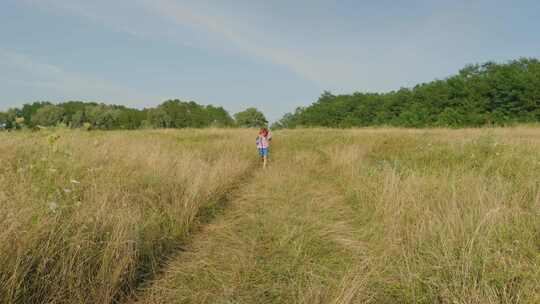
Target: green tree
{"points": [[170, 114], [11, 118], [158, 118], [48, 115], [103, 117], [250, 118], [288, 121], [29, 109], [130, 118], [4, 121], [493, 93], [183, 114], [218, 117], [78, 119], [72, 108], [451, 117]]}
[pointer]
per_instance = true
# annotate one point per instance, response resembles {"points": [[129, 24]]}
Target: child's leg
{"points": [[264, 161]]}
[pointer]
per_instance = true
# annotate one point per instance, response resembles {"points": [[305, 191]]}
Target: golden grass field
{"points": [[85, 216], [340, 216]]}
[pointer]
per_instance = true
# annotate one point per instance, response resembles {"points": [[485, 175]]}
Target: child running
{"points": [[263, 143]]}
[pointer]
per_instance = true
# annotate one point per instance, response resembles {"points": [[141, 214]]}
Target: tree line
{"points": [[91, 115], [481, 94]]}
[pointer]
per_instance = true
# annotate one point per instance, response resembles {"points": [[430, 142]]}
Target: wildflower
{"points": [[75, 181]]}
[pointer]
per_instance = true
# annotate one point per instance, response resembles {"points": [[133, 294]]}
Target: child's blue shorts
{"points": [[263, 151]]}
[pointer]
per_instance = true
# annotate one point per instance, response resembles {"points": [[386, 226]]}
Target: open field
{"points": [[86, 216], [340, 216]]}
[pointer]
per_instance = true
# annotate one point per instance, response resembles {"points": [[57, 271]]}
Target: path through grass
{"points": [[374, 216], [340, 216], [86, 216], [283, 239]]}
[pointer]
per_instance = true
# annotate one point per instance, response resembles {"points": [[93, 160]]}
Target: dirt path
{"points": [[284, 238]]}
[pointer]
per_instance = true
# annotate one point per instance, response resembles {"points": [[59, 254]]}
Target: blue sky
{"points": [[274, 55]]}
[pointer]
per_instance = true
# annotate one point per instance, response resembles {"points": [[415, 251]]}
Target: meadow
{"points": [[87, 215], [340, 216]]}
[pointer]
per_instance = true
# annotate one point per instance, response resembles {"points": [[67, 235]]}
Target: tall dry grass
{"points": [[446, 216], [340, 216], [85, 217], [272, 245], [374, 216]]}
